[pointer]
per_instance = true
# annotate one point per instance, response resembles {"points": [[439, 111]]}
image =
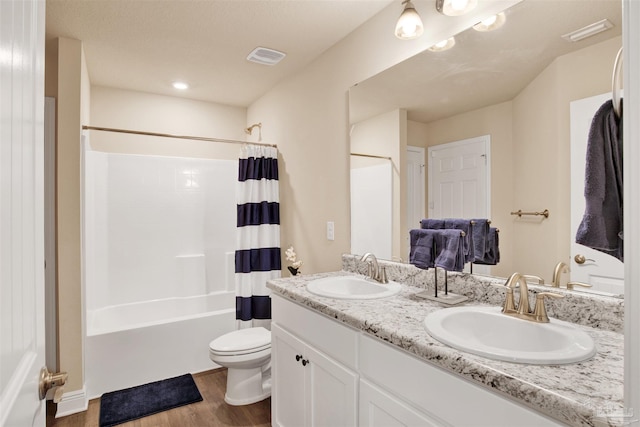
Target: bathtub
{"points": [[133, 344]]}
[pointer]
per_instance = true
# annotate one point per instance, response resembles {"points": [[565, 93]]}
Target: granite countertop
{"points": [[579, 394]]}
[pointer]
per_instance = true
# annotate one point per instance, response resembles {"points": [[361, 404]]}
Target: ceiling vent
{"points": [[265, 56], [588, 31]]}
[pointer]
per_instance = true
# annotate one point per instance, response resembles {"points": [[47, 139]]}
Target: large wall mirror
{"points": [[513, 88]]}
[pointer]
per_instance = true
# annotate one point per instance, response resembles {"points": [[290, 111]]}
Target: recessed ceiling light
{"points": [[491, 23], [588, 31], [180, 85], [443, 45], [455, 7]]}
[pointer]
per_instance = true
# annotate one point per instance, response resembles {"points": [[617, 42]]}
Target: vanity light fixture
{"points": [[455, 7], [491, 23], [180, 85], [443, 45], [409, 24]]}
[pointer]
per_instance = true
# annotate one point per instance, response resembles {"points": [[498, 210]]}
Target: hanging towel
{"points": [[449, 249], [466, 226], [601, 226], [480, 238], [492, 256], [455, 224], [422, 251], [433, 224]]}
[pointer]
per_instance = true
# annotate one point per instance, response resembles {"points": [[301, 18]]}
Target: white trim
{"points": [[631, 149], [72, 403], [51, 335]]}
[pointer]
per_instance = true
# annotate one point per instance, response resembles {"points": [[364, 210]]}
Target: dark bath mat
{"points": [[120, 406]]}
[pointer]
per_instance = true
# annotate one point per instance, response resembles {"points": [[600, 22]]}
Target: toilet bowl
{"points": [[247, 355]]}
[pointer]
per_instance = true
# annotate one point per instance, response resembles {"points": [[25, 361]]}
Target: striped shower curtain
{"points": [[258, 234]]}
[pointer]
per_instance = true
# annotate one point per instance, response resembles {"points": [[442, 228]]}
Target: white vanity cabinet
{"points": [[350, 378], [310, 387]]}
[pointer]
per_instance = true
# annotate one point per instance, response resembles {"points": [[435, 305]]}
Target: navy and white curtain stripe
{"points": [[258, 233]]}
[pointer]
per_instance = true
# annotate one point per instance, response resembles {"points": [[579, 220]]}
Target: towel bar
{"points": [[544, 213]]}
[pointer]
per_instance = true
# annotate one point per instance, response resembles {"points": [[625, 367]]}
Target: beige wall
{"points": [[69, 116], [139, 111], [530, 157]]}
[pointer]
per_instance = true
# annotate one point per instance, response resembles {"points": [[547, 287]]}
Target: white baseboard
{"points": [[72, 403]]}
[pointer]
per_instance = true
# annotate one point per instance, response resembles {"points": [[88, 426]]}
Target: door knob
{"points": [[52, 381], [580, 259]]}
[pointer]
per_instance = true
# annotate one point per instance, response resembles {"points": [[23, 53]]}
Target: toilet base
{"points": [[246, 386]]}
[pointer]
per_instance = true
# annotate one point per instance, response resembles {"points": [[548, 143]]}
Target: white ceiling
{"points": [[145, 45], [484, 68]]}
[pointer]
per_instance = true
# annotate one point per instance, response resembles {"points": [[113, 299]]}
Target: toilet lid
{"points": [[243, 340]]}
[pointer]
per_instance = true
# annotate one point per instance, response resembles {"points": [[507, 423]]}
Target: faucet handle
{"points": [[570, 285], [540, 311], [383, 275]]}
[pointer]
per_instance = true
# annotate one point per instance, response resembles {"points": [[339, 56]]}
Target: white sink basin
{"points": [[352, 287], [487, 332]]}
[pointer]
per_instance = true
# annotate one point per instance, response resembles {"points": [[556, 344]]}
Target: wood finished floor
{"points": [[212, 411]]}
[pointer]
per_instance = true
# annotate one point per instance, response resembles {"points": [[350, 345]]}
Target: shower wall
{"points": [[157, 227]]}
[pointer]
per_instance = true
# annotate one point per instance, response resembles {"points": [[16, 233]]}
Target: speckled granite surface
{"points": [[579, 394]]}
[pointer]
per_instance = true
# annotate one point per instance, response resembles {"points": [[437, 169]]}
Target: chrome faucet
{"points": [[561, 267], [522, 310], [374, 271]]}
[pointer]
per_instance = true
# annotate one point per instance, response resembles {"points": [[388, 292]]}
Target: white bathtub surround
{"points": [[575, 394], [158, 232], [151, 222]]}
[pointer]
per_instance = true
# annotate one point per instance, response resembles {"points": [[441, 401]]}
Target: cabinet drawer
{"points": [[336, 340]]}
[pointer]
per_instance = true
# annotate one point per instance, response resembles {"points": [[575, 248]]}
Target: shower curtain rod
{"points": [[371, 155], [168, 135]]}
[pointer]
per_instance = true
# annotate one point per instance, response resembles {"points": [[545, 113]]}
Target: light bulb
{"points": [[409, 24], [455, 7], [491, 23], [180, 85]]}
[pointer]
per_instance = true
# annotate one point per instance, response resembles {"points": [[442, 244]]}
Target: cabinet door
{"points": [[287, 392], [331, 391], [380, 409]]}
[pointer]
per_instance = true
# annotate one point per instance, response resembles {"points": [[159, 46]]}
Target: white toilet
{"points": [[247, 355]]}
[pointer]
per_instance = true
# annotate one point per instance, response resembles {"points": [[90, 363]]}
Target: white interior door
{"points": [[604, 272], [459, 180], [22, 337], [415, 189]]}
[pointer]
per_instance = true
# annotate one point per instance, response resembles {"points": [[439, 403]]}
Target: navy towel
{"points": [[601, 226], [433, 224], [492, 256], [480, 238], [464, 225], [455, 224], [422, 253], [450, 250]]}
